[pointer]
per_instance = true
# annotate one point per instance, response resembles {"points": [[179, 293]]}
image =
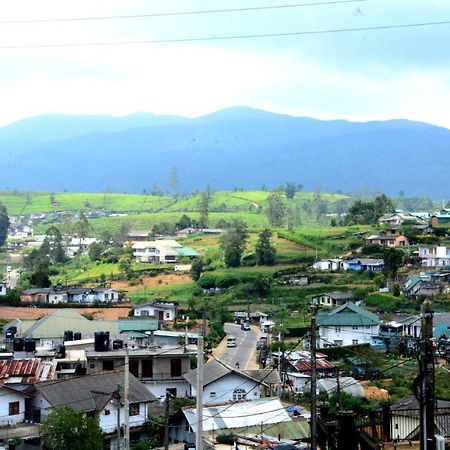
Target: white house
{"points": [[163, 311], [435, 256], [297, 381], [20, 231], [329, 264], [12, 406], [2, 288], [162, 251], [78, 245], [332, 299], [96, 394], [222, 383], [347, 325]]}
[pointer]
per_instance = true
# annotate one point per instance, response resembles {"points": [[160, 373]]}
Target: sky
{"points": [[354, 75]]}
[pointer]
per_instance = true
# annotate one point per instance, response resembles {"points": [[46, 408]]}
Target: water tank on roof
{"points": [[18, 345], [68, 335], [77, 336], [30, 345], [117, 344], [101, 341], [60, 351], [13, 328]]}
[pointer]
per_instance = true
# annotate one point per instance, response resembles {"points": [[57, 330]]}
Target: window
{"points": [[337, 329], [167, 315], [355, 341], [133, 367], [367, 328], [144, 313], [172, 391], [107, 412], [14, 408], [175, 367], [212, 395], [134, 409], [106, 297], [238, 394], [147, 368], [108, 364], [355, 327]]}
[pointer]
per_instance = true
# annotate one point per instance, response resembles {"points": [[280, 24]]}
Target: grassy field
{"points": [[28, 202]]}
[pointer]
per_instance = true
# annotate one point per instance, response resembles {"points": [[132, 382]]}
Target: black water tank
{"points": [[68, 335], [77, 336], [30, 345], [18, 345], [9, 334], [13, 328], [60, 351], [117, 344], [101, 341]]}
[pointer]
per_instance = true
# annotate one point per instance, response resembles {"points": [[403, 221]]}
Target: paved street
{"points": [[244, 352]]}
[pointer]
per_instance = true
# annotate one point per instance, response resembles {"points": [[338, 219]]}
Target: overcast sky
{"points": [[359, 75]]}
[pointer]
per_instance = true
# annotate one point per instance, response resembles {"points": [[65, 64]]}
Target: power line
{"points": [[224, 38], [177, 13]]}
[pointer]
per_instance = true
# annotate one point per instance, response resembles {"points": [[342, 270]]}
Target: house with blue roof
{"points": [[348, 324]]}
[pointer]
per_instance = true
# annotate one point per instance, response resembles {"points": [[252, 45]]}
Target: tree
{"points": [[4, 224], [196, 269], [173, 178], [290, 190], [362, 212], [66, 428], [393, 259], [276, 209], [40, 278], [205, 198], [54, 246], [95, 251], [82, 227], [233, 243], [125, 263], [265, 252]]}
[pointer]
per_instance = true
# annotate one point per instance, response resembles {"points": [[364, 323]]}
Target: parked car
{"points": [[245, 326], [262, 342]]}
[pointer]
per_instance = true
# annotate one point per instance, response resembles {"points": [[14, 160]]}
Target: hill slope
{"points": [[234, 147]]}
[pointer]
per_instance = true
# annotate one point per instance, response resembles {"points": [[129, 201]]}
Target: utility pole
{"points": [[118, 397], [199, 388], [426, 380], [338, 390], [313, 384], [126, 413], [166, 423]]}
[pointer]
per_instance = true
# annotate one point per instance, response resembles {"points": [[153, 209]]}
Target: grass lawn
{"points": [[180, 292]]}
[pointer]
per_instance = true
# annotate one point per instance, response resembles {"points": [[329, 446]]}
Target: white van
{"points": [[231, 341]]}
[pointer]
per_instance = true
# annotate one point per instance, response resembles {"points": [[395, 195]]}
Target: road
{"points": [[244, 352]]}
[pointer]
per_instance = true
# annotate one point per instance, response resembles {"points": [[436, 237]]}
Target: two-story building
{"points": [[160, 368], [348, 324], [435, 256], [161, 251], [97, 395]]}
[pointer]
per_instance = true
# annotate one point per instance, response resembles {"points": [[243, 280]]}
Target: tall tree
{"points": [[173, 178], [265, 252], [4, 224], [205, 198], [82, 227], [233, 243], [290, 190], [276, 209], [64, 428]]}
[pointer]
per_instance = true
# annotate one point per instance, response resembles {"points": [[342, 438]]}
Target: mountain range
{"points": [[235, 147]]}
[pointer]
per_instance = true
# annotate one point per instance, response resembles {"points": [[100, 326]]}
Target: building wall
{"points": [[2, 289], [168, 314], [159, 388], [222, 390], [108, 417], [330, 335], [7, 398]]}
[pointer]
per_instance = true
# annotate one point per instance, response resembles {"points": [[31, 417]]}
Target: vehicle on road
{"points": [[231, 341], [262, 342], [245, 326]]}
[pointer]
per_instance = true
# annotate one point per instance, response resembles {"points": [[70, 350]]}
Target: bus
{"points": [[231, 341]]}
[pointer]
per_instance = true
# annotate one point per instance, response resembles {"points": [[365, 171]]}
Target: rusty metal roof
{"points": [[26, 370], [304, 365]]}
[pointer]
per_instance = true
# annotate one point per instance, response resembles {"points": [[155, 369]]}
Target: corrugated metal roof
{"points": [[304, 365], [26, 370], [347, 315], [241, 414]]}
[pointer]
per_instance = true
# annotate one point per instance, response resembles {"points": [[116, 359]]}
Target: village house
{"points": [[222, 383], [416, 286], [76, 245], [59, 294], [163, 311], [434, 256], [401, 218], [20, 231], [2, 288], [387, 240], [161, 251], [138, 235], [368, 264], [160, 368], [98, 395], [332, 299], [441, 218], [348, 324]]}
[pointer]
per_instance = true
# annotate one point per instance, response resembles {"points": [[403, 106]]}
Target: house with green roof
{"points": [[348, 324]]}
